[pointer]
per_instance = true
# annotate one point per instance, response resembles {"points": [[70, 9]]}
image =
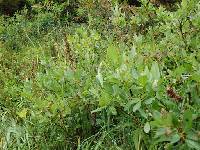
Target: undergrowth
{"points": [[100, 75]]}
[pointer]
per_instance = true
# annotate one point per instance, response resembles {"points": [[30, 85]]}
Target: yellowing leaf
{"points": [[1, 143], [23, 113]]}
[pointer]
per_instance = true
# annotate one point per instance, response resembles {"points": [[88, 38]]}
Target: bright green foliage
{"points": [[100, 77]]}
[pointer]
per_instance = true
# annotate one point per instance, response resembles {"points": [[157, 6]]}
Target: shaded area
{"points": [[9, 7]]}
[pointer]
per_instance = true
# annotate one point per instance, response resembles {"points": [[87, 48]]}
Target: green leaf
{"points": [[130, 103], [113, 54], [133, 51], [149, 101], [155, 72], [146, 72], [100, 78], [142, 80], [175, 120], [105, 99], [164, 121], [147, 127], [69, 74], [184, 3], [137, 106], [67, 110], [98, 110], [143, 113], [137, 138], [135, 74], [175, 138], [99, 75], [193, 144], [195, 77], [179, 71], [187, 120], [160, 132], [113, 110]]}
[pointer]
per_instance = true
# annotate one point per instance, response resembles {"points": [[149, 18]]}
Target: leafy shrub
{"points": [[126, 79]]}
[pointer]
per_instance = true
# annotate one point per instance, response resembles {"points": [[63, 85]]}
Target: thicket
{"points": [[100, 75]]}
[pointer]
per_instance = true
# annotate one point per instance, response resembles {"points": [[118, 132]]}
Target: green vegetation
{"points": [[97, 75]]}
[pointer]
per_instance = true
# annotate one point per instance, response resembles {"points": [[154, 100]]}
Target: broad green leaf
{"points": [[160, 132], [116, 90], [113, 54], [149, 101], [164, 121], [146, 72], [187, 120], [143, 113], [174, 138], [147, 127], [156, 114], [99, 75], [137, 106], [105, 99], [155, 72], [142, 80], [130, 103], [175, 120], [100, 78]]}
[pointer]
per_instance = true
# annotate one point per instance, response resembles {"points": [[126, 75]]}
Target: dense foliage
{"points": [[91, 74]]}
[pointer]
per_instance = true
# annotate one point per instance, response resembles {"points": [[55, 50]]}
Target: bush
{"points": [[128, 78]]}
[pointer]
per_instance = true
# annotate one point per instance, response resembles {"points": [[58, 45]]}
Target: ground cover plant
{"points": [[100, 75]]}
